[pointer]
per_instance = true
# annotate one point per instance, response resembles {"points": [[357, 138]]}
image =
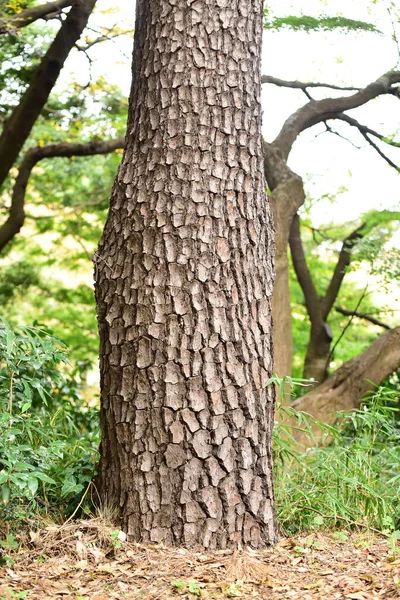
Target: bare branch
{"points": [[364, 129], [300, 85], [340, 270], [366, 132], [343, 137], [345, 328], [317, 111], [365, 316], [29, 15], [16, 216]]}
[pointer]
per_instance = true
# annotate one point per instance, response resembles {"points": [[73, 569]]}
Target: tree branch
{"points": [[29, 15], [345, 388], [303, 273], [300, 85], [340, 270], [365, 129], [365, 316], [320, 110], [16, 216], [19, 125]]}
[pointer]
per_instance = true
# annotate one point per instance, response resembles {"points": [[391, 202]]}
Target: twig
{"points": [[77, 508]]}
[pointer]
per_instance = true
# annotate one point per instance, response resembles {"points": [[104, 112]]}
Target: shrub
{"points": [[45, 460]]}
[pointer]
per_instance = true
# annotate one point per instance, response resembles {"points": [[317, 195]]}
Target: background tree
{"points": [[183, 285]]}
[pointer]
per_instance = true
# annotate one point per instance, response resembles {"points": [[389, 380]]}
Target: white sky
{"points": [[325, 161]]}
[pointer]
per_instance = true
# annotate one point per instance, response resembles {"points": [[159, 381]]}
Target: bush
{"points": [[45, 461]]}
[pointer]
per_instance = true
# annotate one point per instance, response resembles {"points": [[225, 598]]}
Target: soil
{"points": [[90, 560]]}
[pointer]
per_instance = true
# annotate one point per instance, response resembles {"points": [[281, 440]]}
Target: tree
{"points": [[287, 196], [319, 306], [19, 124], [184, 278]]}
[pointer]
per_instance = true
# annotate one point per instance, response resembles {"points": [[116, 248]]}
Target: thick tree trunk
{"points": [[345, 389], [184, 278], [19, 125]]}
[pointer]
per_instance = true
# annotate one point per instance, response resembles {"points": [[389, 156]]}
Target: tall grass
{"points": [[352, 482]]}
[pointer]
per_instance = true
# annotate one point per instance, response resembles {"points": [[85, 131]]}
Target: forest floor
{"points": [[90, 561]]}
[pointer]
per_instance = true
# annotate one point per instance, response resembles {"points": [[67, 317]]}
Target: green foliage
{"points": [[369, 255], [44, 460], [353, 481], [311, 24]]}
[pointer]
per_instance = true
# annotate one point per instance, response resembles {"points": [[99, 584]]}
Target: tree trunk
{"points": [[287, 195], [345, 389], [318, 352], [184, 277]]}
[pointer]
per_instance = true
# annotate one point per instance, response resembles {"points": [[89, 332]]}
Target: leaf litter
{"points": [[90, 560]]}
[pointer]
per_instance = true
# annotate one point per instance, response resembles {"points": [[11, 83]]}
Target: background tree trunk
{"points": [[184, 278]]}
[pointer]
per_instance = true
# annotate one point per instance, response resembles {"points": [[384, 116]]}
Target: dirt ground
{"points": [[91, 561]]}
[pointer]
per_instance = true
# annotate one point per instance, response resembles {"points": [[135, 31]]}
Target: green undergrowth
{"points": [[48, 437], [49, 449], [351, 482]]}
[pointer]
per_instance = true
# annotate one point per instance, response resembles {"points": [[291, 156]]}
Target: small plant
{"points": [[190, 586], [12, 594], [117, 537]]}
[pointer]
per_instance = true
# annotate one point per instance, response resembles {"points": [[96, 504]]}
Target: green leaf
{"points": [[194, 588], [43, 477], [33, 485], [5, 493], [9, 341]]}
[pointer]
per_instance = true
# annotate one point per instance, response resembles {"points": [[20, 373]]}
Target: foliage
{"points": [[322, 23], [370, 255], [353, 481], [44, 459]]}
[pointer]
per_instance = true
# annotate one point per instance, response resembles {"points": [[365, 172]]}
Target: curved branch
{"points": [[320, 110], [303, 273], [347, 386], [16, 217], [29, 15], [365, 316], [19, 125]]}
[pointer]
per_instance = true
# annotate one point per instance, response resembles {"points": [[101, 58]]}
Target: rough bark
{"points": [[19, 125], [29, 15], [344, 390], [16, 217], [184, 279], [287, 195]]}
